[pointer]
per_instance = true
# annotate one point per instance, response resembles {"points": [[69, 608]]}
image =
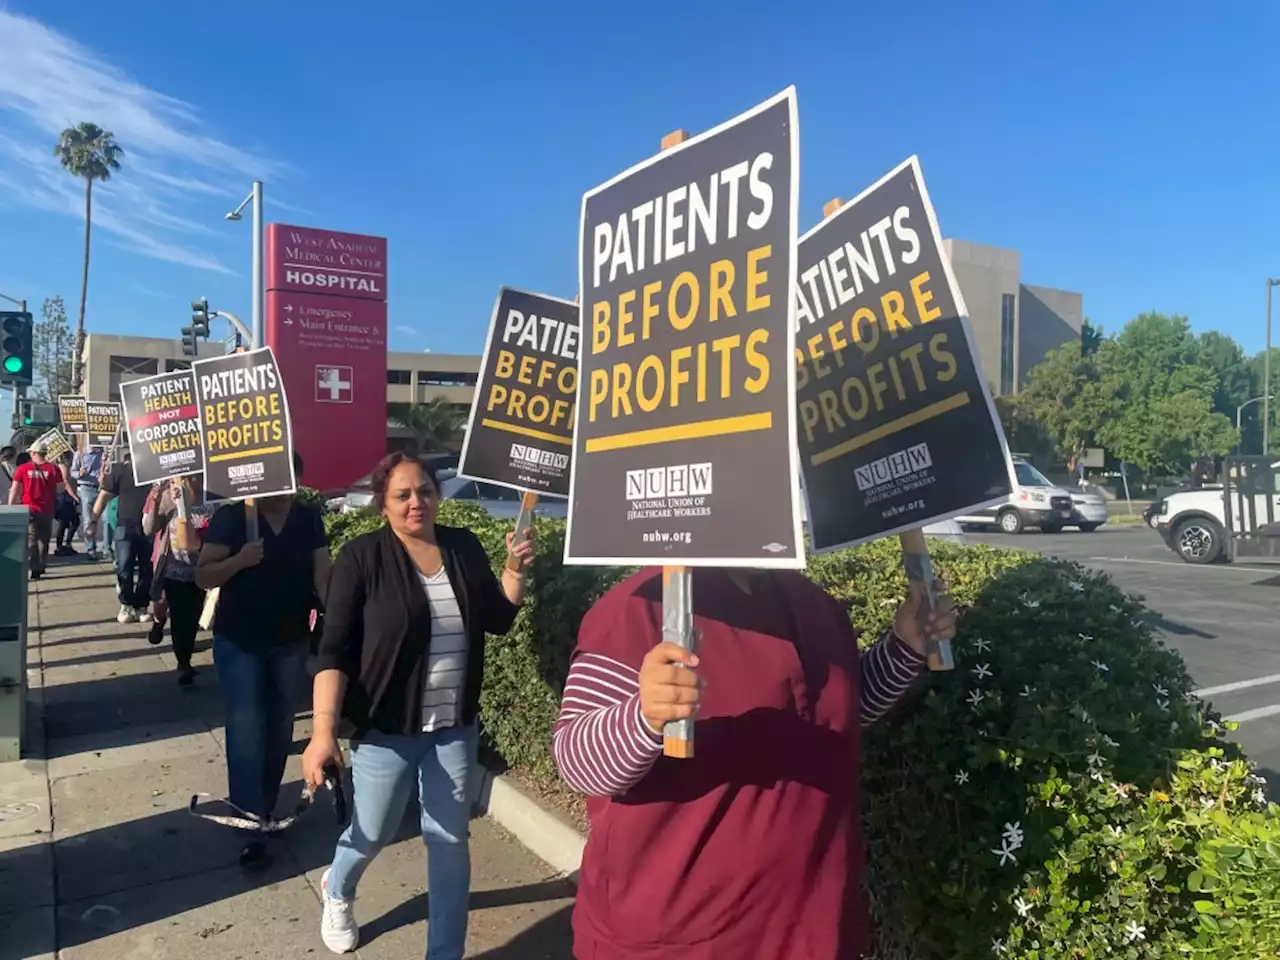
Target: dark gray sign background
{"points": [[277, 475], [752, 501], [965, 443], [487, 453], [147, 466], [102, 437], [71, 424]]}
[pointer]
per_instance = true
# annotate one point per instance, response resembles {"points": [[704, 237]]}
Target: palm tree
{"points": [[86, 150], [435, 425]]}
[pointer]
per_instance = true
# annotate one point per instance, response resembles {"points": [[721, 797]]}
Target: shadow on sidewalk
{"points": [[129, 875], [145, 650], [549, 939], [129, 701]]}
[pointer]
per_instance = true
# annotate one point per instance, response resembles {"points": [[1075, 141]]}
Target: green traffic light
{"points": [[27, 422], [13, 364]]}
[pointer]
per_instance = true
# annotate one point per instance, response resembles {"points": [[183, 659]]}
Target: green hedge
{"points": [[1061, 794]]}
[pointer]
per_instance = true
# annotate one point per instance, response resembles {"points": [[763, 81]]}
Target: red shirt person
{"points": [[752, 848], [35, 486]]}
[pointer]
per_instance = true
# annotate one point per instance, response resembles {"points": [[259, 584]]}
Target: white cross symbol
{"points": [[331, 380]]}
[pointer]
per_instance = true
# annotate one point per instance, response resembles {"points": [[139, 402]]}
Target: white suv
{"points": [[1038, 502]]}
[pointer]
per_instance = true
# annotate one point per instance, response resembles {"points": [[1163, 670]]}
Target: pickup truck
{"points": [[1235, 519]]}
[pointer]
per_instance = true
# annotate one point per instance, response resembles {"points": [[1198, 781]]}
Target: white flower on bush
{"points": [[982, 644], [1094, 759], [1031, 604], [1109, 742], [962, 777], [1077, 586], [1121, 789], [1101, 667], [1022, 907], [1116, 832], [982, 671], [975, 698], [1014, 834], [1085, 637], [1004, 854], [1163, 705], [1161, 692], [1207, 802], [1260, 797], [1027, 690], [998, 947], [1135, 931]]}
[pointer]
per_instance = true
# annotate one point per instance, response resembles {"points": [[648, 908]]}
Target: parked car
{"points": [[498, 501], [1038, 502]]}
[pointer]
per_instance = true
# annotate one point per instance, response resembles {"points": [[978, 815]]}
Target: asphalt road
{"points": [[1223, 618]]}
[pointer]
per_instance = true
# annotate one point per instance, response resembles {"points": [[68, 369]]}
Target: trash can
{"points": [[13, 631]]}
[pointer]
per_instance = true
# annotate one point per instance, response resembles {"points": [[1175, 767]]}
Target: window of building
{"points": [[1008, 306], [124, 369], [399, 378], [171, 365], [451, 378]]}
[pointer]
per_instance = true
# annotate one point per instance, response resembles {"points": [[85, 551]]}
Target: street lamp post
{"points": [[255, 197], [1240, 410], [15, 390], [1266, 374]]}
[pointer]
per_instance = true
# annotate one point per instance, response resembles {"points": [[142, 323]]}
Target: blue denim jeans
{"points": [[88, 495], [384, 771], [133, 565], [260, 691]]}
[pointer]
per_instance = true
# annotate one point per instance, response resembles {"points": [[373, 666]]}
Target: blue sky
{"points": [[1129, 151]]}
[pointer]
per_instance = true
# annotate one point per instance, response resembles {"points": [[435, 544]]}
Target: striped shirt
{"points": [[446, 656], [603, 746]]}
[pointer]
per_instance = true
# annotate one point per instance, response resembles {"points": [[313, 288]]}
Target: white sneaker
{"points": [[338, 928], [144, 615], [127, 615]]}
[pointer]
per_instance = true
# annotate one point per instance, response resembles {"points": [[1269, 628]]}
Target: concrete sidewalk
{"points": [[100, 859]]}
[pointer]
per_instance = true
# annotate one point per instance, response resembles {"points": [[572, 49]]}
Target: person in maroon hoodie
{"points": [[751, 849]]}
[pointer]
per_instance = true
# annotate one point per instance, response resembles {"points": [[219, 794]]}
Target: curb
{"points": [[544, 834]]}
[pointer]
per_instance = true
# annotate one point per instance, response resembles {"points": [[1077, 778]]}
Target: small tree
{"points": [[52, 346], [436, 425]]}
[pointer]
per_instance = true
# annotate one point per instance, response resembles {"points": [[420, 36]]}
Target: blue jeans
{"points": [[88, 495], [133, 565], [383, 773], [260, 691]]}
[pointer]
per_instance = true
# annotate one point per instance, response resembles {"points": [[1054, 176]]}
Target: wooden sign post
{"points": [[915, 552], [677, 601]]}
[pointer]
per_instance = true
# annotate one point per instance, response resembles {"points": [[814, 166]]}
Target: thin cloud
{"points": [[405, 331], [171, 170]]}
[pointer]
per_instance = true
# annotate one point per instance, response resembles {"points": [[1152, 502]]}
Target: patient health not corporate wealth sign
{"points": [[163, 424], [244, 426], [520, 433], [896, 425], [684, 446]]}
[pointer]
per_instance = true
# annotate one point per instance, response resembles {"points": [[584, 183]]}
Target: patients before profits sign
{"points": [[73, 414], [896, 426], [244, 426], [163, 423], [103, 418], [521, 429], [683, 449]]}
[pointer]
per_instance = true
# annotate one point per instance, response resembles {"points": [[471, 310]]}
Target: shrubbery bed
{"points": [[1062, 794]]}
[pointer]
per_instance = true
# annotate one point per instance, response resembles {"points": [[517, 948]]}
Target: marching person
{"points": [[132, 547], [267, 589], [36, 485], [86, 471], [8, 464], [178, 520], [401, 663], [752, 848], [66, 514]]}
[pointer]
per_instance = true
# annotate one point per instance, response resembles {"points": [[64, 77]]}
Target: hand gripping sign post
{"points": [[896, 426], [520, 431], [162, 421], [684, 445]]}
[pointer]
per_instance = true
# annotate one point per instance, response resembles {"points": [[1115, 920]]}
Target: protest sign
{"points": [[73, 415], [162, 422], [684, 445], [244, 426], [55, 444], [896, 425], [520, 433], [103, 418]]}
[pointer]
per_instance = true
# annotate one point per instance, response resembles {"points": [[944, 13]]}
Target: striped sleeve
{"points": [[602, 745], [889, 668]]}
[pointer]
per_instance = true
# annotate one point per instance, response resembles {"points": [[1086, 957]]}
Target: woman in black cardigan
{"points": [[401, 662]]}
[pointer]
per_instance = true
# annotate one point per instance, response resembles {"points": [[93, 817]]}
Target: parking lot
{"points": [[1223, 618]]}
